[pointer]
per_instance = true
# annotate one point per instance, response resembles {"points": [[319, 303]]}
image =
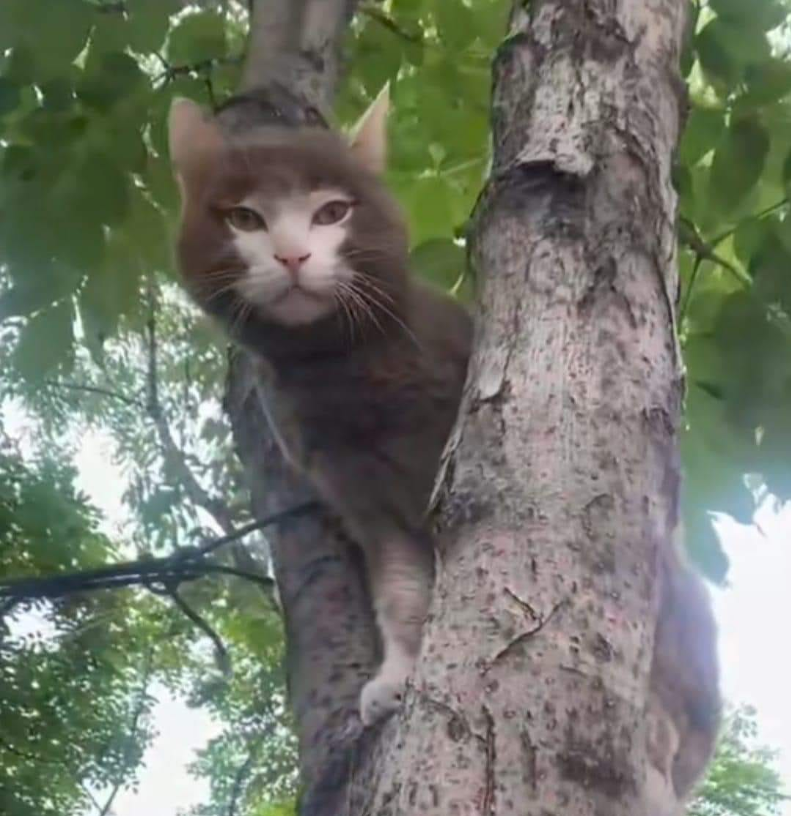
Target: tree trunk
{"points": [[561, 482]]}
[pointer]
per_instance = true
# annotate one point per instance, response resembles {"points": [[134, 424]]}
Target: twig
{"points": [[133, 728], [274, 518], [690, 286], [689, 235], [95, 389], [187, 564], [220, 652], [718, 239], [390, 24], [241, 773]]}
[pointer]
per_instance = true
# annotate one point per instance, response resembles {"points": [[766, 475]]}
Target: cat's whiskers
{"points": [[345, 310], [360, 308], [241, 311], [376, 286], [371, 300]]}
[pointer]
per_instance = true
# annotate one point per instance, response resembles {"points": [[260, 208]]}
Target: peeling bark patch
{"points": [[582, 764], [531, 185]]}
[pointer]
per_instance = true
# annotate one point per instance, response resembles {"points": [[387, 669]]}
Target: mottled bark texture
{"points": [[560, 484], [289, 77]]}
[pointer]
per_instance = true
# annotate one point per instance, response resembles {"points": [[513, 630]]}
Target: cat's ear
{"points": [[369, 136], [193, 138]]}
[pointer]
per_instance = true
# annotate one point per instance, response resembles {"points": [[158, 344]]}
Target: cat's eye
{"points": [[332, 212], [245, 219]]}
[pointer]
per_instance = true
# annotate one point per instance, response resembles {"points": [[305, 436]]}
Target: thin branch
{"points": [[31, 757], [174, 456], [133, 729], [390, 24], [718, 239], [187, 564], [241, 773], [688, 234], [220, 652], [690, 286], [201, 68], [95, 389], [274, 518]]}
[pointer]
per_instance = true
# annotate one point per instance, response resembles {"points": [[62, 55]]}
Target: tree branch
{"points": [[241, 773], [186, 564], [95, 389], [220, 652], [133, 728], [294, 44]]}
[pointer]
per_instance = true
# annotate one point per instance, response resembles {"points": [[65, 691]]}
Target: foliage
{"points": [[741, 780], [95, 339]]}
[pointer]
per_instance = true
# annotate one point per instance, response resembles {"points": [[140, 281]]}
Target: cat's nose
{"points": [[292, 262]]}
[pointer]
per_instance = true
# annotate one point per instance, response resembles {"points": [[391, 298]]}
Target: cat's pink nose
{"points": [[292, 262]]}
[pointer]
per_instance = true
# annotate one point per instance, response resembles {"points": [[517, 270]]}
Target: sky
{"points": [[752, 612]]}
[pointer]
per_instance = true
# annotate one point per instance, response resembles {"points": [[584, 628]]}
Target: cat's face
{"points": [[290, 225], [292, 248]]}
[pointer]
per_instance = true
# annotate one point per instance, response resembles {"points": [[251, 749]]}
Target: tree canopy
{"points": [[96, 338]]}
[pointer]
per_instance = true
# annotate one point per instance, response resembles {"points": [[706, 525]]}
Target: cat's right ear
{"points": [[369, 136], [194, 139]]}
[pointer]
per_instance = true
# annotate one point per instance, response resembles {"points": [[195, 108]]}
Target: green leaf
{"points": [[762, 15], [111, 291], [766, 83], [197, 38], [725, 50], [750, 235], [745, 45], [53, 33], [147, 23], [378, 56], [702, 133], [439, 261], [430, 209], [9, 96], [93, 190], [109, 78], [455, 22], [738, 163], [45, 341]]}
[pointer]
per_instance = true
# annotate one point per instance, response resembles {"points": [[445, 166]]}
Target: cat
{"points": [[290, 238], [685, 704]]}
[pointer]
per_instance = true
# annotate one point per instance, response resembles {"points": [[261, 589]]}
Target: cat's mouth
{"points": [[297, 305], [296, 289]]}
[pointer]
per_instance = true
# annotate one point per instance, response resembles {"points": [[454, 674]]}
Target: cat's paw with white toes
{"points": [[381, 696]]}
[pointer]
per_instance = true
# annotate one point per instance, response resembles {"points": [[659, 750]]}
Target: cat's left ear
{"points": [[369, 136], [193, 138]]}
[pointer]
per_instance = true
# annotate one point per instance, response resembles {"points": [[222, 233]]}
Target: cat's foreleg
{"points": [[400, 573]]}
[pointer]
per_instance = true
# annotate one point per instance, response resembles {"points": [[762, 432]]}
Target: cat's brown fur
{"points": [[365, 409]]}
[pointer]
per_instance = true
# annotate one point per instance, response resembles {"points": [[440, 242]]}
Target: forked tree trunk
{"points": [[561, 481]]}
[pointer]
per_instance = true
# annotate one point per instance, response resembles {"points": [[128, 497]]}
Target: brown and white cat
{"points": [[290, 238]]}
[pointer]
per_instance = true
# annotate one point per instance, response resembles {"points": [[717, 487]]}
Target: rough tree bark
{"points": [[561, 481], [289, 76]]}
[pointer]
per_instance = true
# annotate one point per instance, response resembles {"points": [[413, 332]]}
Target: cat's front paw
{"points": [[381, 696]]}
